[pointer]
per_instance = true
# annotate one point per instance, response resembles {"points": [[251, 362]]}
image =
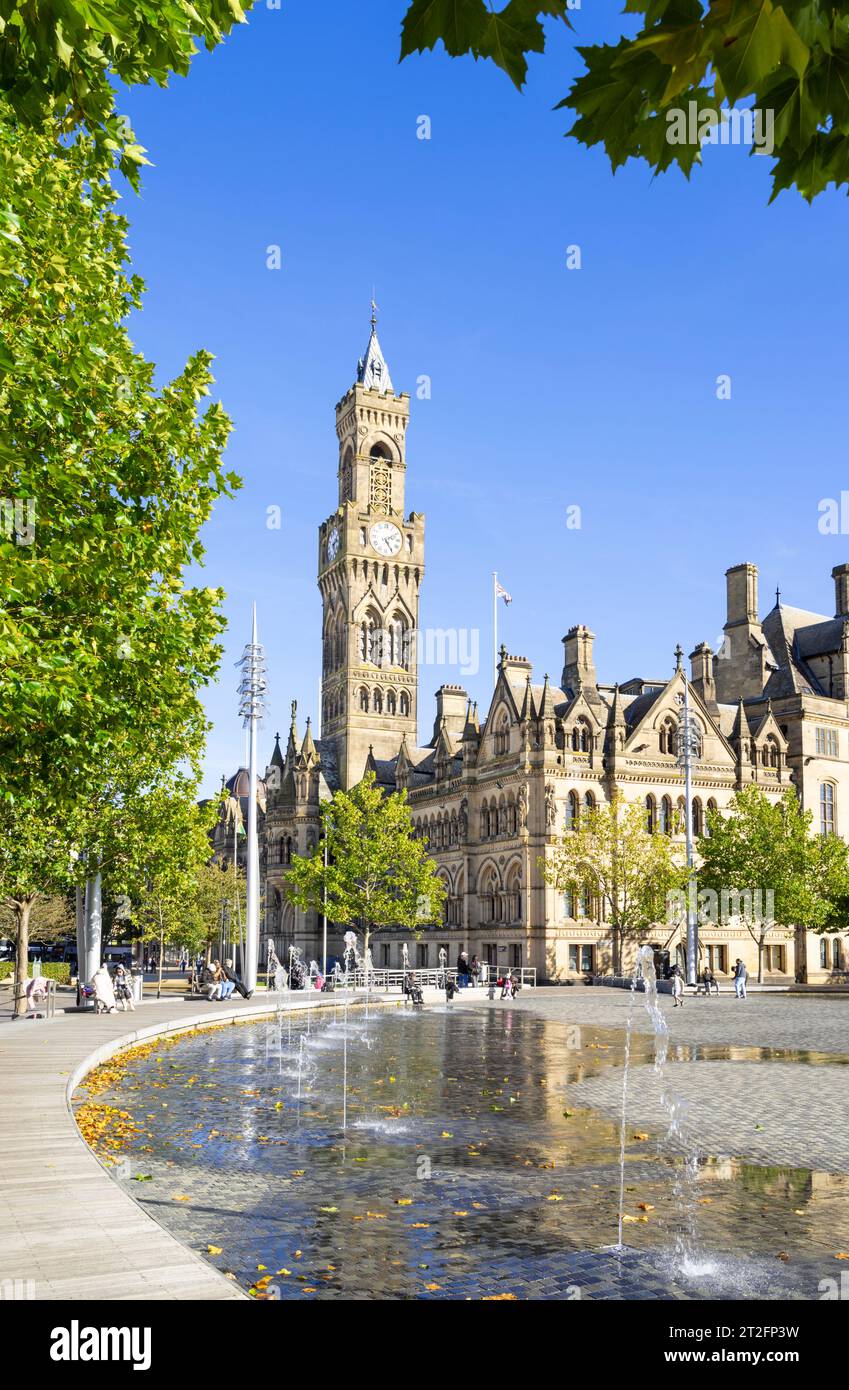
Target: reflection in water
{"points": [[464, 1170]]}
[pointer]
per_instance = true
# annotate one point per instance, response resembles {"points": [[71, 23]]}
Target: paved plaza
{"points": [[516, 1105]]}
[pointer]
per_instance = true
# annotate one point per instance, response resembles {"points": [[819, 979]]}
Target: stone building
{"points": [[493, 790]]}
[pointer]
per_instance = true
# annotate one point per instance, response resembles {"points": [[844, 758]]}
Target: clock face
{"points": [[385, 538], [332, 545]]}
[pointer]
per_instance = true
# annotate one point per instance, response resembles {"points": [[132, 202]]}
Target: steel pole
{"points": [[692, 917]]}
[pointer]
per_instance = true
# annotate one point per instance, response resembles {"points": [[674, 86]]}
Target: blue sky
{"points": [[550, 387]]}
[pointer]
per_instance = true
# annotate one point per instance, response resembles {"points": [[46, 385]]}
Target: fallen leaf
{"points": [[639, 1136], [644, 1206], [213, 1250]]}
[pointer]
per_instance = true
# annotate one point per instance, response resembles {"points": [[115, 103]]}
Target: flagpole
{"points": [[494, 628]]}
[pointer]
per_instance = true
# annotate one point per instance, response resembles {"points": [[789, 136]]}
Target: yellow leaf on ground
{"points": [[213, 1250], [644, 1206], [181, 1197], [639, 1136], [403, 1201], [841, 1255]]}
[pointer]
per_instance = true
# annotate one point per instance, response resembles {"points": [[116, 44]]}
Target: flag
{"points": [[501, 592]]}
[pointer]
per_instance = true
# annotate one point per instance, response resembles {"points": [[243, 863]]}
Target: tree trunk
{"points": [[801, 953], [760, 961], [22, 912], [366, 939], [161, 952]]}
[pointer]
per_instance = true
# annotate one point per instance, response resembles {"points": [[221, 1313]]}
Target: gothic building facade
{"points": [[491, 792]]}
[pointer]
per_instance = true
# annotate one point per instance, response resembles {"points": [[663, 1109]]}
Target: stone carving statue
{"points": [[463, 819], [522, 808], [550, 806]]}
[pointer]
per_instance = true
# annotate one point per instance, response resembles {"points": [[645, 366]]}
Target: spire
{"points": [[617, 712], [472, 731], [292, 745], [372, 369], [308, 748], [679, 657], [277, 756], [741, 728], [546, 703], [527, 710]]}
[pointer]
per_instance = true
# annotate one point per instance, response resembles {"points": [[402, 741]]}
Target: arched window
{"points": [[769, 753], [665, 817], [581, 737], [488, 896], [511, 817], [377, 702], [651, 814], [668, 736], [513, 894], [711, 811], [363, 699], [827, 820], [573, 811], [405, 703], [391, 703], [375, 639], [281, 850], [698, 818], [589, 802], [348, 477]]}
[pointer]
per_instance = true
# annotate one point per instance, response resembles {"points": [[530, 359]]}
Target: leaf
{"points": [[763, 41], [214, 1250]]}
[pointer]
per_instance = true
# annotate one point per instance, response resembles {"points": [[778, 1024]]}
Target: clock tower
{"points": [[370, 567]]}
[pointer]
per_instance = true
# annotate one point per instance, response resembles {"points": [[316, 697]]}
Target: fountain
{"points": [[686, 1260]]}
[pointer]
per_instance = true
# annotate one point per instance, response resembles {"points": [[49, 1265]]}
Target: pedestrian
{"points": [[677, 987], [475, 970], [123, 987], [104, 994], [462, 970], [709, 981], [235, 981], [741, 975]]}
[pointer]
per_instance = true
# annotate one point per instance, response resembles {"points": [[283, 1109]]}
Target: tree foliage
{"points": [[59, 58], [378, 873], [103, 645], [789, 59], [767, 845], [611, 855]]}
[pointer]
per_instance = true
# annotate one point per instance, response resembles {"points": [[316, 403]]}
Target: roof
{"points": [[372, 369]]}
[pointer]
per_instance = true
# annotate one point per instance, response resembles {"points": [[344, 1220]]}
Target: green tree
{"points": [[59, 58], [35, 865], [378, 873], [611, 855], [791, 60], [163, 865], [766, 846], [103, 645]]}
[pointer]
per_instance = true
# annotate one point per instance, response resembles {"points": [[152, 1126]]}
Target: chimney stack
{"points": [[840, 575]]}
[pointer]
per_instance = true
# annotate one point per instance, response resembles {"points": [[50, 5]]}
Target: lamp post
{"points": [[688, 744], [252, 689]]}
